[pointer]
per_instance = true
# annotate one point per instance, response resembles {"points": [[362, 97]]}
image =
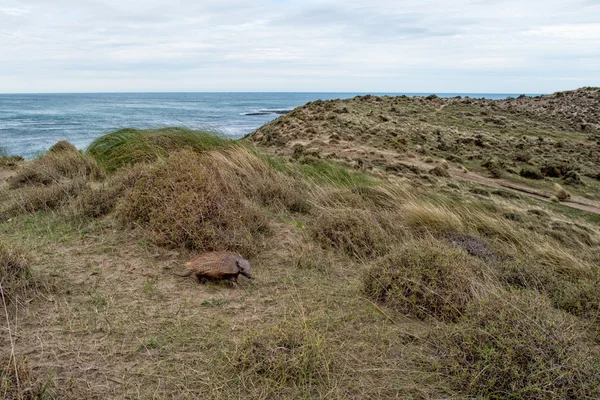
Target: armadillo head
{"points": [[244, 266]]}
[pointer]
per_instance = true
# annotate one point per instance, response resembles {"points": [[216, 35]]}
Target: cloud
{"points": [[298, 45]]}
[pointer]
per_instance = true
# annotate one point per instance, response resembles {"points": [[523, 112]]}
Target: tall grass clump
{"points": [[320, 172], [516, 346], [62, 146], [424, 278], [130, 146], [97, 201], [187, 201], [288, 355], [64, 162], [261, 182], [356, 232], [44, 198], [430, 218]]}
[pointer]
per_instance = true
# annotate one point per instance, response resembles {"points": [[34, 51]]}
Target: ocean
{"points": [[31, 123]]}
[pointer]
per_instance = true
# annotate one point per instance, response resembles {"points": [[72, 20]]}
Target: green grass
{"points": [[320, 172], [129, 146]]}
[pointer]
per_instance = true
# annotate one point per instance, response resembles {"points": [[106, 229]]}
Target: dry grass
{"points": [[54, 166], [189, 202], [355, 232], [424, 279], [15, 273], [44, 198], [17, 383], [518, 346], [431, 218], [97, 201], [291, 357], [259, 181], [62, 147]]}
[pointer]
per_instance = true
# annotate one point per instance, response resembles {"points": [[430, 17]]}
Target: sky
{"points": [[451, 46]]}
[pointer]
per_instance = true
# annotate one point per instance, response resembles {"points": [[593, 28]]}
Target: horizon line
{"points": [[283, 92]]}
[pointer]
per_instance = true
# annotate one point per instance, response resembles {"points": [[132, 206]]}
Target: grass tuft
{"points": [[44, 198], [17, 382], [289, 355], [130, 146], [355, 232], [62, 147], [517, 346], [52, 167], [188, 202], [423, 279]]}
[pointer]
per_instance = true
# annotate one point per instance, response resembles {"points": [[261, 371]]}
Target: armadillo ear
{"points": [[237, 263]]}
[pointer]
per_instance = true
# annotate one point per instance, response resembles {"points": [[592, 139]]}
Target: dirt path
{"points": [[577, 202]]}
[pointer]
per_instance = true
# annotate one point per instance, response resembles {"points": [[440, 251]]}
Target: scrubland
{"points": [[370, 282]]}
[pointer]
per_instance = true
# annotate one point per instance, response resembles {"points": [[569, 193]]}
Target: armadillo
{"points": [[217, 265]]}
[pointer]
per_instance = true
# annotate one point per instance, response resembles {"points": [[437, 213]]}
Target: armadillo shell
{"points": [[215, 264]]}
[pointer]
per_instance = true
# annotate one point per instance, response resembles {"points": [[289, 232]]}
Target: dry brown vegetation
{"points": [[424, 279], [190, 202], [367, 285], [17, 383], [518, 346], [14, 272], [52, 167]]}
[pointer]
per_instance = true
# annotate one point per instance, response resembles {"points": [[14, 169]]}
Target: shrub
{"points": [[94, 202], [290, 354], [517, 346], [495, 168], [473, 245], [259, 181], [440, 172], [353, 231], [581, 298], [53, 166], [427, 217], [189, 202], [573, 178], [531, 173], [131, 146], [14, 271], [62, 147], [554, 170], [423, 279], [43, 198]]}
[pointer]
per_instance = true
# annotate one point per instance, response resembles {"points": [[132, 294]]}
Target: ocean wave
{"points": [[268, 111]]}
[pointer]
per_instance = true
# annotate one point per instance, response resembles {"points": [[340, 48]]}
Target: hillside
{"points": [[381, 270], [536, 141]]}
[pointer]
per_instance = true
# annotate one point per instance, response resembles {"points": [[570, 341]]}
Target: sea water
{"points": [[31, 123]]}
